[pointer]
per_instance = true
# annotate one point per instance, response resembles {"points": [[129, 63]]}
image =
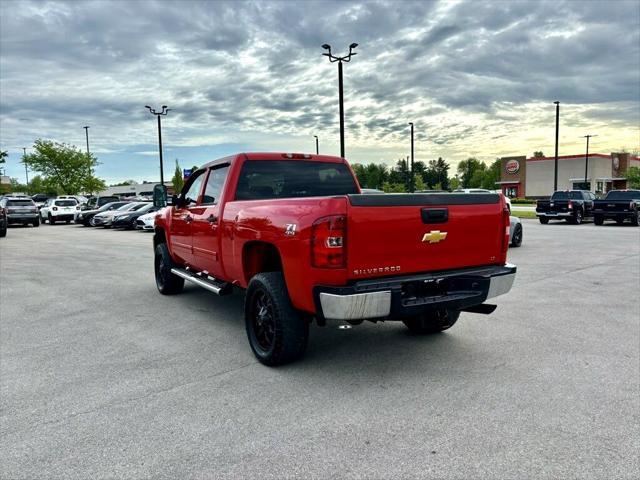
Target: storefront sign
{"points": [[512, 166]]}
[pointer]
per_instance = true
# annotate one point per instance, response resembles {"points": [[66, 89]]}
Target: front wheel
{"points": [[277, 333], [598, 219], [432, 322], [167, 282], [543, 220], [635, 220]]}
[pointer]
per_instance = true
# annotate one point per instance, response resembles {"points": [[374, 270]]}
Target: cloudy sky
{"points": [[478, 78]]}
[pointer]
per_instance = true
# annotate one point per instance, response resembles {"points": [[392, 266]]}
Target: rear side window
{"points": [[65, 203], [260, 180], [20, 203]]}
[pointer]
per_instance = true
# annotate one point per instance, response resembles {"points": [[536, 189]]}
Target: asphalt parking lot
{"points": [[102, 377]]}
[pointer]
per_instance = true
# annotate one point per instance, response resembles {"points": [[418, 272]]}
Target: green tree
{"points": [[538, 154], [389, 187], [65, 166], [3, 159], [491, 175], [467, 171], [418, 182], [177, 181], [633, 175], [454, 182], [39, 184]]}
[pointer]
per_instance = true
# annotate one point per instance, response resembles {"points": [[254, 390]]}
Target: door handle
{"points": [[212, 219]]}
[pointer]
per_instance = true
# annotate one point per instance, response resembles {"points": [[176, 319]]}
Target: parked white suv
{"points": [[59, 210]]}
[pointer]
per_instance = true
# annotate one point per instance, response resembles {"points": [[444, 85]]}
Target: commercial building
{"points": [[136, 190], [533, 177]]}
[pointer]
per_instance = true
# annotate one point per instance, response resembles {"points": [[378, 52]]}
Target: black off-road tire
{"points": [[577, 217], [433, 322], [543, 220], [277, 332], [167, 282], [517, 236], [598, 219], [36, 222]]}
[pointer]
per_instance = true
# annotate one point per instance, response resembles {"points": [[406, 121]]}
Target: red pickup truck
{"points": [[297, 234]]}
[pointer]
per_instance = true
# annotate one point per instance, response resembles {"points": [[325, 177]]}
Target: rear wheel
{"points": [[51, 220], [543, 220], [516, 241], [36, 222], [635, 220], [577, 217], [598, 219], [277, 333], [3, 231], [167, 282], [432, 322], [619, 221]]}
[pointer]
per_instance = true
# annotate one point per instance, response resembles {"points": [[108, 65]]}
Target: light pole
{"points": [[555, 166], [86, 131], [411, 179], [317, 146], [164, 111], [586, 160], [346, 59], [26, 172]]}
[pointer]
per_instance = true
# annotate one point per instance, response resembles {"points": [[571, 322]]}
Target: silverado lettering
{"points": [[293, 230]]}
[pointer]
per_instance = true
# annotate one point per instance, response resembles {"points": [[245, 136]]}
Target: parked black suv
{"points": [[20, 210]]}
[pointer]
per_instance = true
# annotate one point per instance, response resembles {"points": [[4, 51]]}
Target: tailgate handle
{"points": [[434, 215]]}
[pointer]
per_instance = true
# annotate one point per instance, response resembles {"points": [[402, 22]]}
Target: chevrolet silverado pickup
{"points": [[618, 205], [296, 233], [570, 205]]}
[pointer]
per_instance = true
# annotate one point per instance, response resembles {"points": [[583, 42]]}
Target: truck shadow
{"points": [[373, 348]]}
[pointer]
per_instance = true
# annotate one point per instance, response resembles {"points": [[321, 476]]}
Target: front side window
{"points": [[268, 179], [191, 195], [213, 188]]}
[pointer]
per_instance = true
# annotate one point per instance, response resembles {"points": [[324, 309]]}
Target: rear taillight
{"points": [[570, 205], [54, 208], [329, 242], [506, 222]]}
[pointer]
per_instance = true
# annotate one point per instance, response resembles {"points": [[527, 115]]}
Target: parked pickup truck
{"points": [[618, 205], [295, 232], [570, 205]]}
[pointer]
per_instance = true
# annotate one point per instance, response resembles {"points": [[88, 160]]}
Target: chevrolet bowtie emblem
{"points": [[434, 236]]}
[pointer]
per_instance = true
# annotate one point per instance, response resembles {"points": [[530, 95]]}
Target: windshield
{"points": [[567, 196], [112, 206], [261, 179], [127, 206], [20, 203], [623, 195], [65, 203]]}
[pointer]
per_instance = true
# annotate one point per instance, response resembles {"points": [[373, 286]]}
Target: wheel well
{"points": [[159, 237], [258, 257]]}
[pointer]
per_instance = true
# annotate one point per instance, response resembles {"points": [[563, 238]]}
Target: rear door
{"points": [[403, 234], [182, 217], [205, 226]]}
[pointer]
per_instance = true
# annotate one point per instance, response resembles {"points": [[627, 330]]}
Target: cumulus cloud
{"points": [[477, 78]]}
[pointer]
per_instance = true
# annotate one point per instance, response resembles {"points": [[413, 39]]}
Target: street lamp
{"points": [[411, 179], [26, 172], [86, 131], [586, 160], [555, 166], [164, 111], [346, 59], [317, 147]]}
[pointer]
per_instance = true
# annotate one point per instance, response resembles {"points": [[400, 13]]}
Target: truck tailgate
{"points": [[399, 234]]}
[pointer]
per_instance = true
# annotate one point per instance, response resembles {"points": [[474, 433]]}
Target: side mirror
{"points": [[160, 196]]}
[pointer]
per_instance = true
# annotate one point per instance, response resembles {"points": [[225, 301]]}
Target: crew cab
{"points": [[295, 231], [574, 206], [618, 205]]}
